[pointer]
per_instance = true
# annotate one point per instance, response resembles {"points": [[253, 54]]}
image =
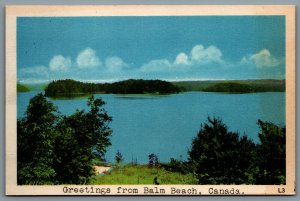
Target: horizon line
{"points": [[118, 80]]}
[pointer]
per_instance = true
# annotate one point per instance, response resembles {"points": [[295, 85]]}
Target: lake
{"points": [[166, 125]]}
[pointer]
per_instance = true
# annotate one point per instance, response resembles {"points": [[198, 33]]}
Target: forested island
{"points": [[70, 88]]}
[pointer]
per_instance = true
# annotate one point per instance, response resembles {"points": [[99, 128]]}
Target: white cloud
{"points": [[157, 66], [200, 62], [263, 58], [88, 59], [60, 63], [201, 55], [115, 64], [182, 59]]}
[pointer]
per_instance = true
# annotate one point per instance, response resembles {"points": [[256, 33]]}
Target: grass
{"points": [[142, 174]]}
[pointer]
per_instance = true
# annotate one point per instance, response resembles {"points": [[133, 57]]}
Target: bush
{"points": [[177, 166]]}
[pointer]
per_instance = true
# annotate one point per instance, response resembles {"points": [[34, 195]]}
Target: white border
{"points": [[12, 12]]}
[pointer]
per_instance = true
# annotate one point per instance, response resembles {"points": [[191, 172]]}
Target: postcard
{"points": [[150, 100]]}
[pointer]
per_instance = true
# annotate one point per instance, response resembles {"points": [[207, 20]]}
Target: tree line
{"points": [[233, 86], [236, 87], [70, 87], [219, 156], [58, 149]]}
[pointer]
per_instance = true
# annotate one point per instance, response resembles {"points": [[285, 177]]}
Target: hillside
{"points": [[22, 88], [142, 174]]}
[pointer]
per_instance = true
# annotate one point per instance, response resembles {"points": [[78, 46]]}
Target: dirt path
{"points": [[101, 169]]}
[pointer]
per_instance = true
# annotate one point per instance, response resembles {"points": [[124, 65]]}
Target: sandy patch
{"points": [[101, 169]]}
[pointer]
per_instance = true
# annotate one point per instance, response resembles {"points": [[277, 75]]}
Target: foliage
{"points": [[35, 142], [271, 154], [60, 149], [175, 165], [68, 88], [71, 87], [142, 174], [118, 157], [153, 160], [219, 156]]}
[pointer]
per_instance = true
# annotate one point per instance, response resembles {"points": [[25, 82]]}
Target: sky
{"points": [[106, 49]]}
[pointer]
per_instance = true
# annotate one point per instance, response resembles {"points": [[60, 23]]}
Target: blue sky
{"points": [[105, 49]]}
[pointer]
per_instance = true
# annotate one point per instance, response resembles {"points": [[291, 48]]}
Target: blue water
{"points": [[166, 125]]}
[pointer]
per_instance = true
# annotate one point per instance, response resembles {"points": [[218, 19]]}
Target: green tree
{"points": [[84, 136], [271, 154], [35, 141], [118, 157], [153, 160], [73, 159], [60, 149], [219, 156]]}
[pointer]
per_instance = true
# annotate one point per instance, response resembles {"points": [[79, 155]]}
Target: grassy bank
{"points": [[142, 174]]}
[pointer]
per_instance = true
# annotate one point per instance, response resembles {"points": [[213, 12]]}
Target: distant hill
{"points": [[233, 86], [31, 87], [230, 87], [69, 87], [37, 86], [22, 88]]}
